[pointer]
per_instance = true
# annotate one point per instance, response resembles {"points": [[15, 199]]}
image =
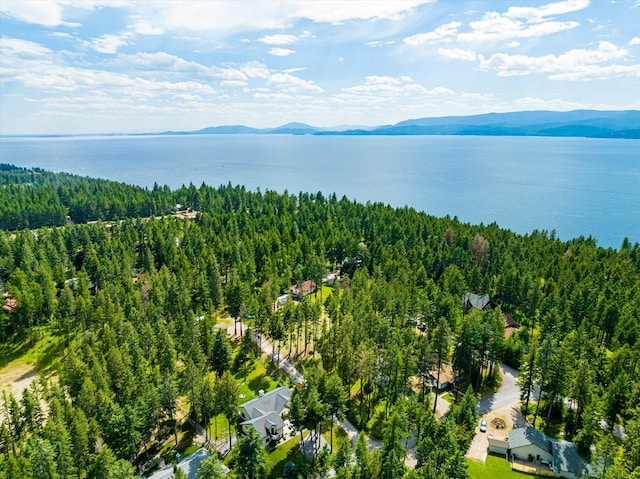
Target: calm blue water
{"points": [[573, 185]]}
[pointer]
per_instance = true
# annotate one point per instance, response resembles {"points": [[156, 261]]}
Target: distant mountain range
{"points": [[578, 123]]}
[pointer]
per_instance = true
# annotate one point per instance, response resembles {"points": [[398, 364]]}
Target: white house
{"points": [[562, 456], [528, 442], [264, 414]]}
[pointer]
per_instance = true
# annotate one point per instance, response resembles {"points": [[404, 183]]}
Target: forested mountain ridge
{"points": [[577, 123], [133, 306]]}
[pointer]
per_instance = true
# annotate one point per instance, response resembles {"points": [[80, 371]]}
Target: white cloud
{"points": [[379, 43], [439, 90], [159, 61], [280, 52], [577, 64], [556, 104], [494, 27], [443, 34], [254, 70], [40, 12], [229, 74], [513, 44], [540, 14], [142, 27], [517, 22], [279, 39], [16, 47], [458, 53], [634, 41], [338, 11], [50, 13], [293, 84], [223, 17], [187, 97], [233, 83], [110, 43]]}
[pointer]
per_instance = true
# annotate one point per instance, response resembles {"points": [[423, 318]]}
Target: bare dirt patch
{"points": [[16, 377]]}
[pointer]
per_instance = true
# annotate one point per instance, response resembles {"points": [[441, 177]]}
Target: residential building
{"points": [[529, 444], [264, 413]]}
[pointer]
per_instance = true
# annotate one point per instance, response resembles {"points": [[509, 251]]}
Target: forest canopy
{"points": [[134, 297]]}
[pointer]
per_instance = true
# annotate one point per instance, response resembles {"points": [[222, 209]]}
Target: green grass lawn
{"points": [[257, 379], [493, 468], [276, 459]]}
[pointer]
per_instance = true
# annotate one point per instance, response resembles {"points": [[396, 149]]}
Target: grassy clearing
{"points": [[21, 363], [46, 349], [494, 467], [257, 379]]}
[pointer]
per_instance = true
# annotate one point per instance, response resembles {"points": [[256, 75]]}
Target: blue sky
{"points": [[91, 66]]}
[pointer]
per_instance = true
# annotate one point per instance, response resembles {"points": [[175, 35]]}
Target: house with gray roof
{"points": [[472, 300], [531, 445], [567, 462], [528, 442], [264, 414]]}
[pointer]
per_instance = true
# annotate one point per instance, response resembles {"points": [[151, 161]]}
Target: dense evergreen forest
{"points": [[130, 304]]}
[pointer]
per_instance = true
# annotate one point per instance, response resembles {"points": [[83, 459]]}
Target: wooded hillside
{"points": [[132, 306]]}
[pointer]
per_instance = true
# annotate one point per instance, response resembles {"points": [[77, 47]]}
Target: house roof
{"points": [[509, 322], [526, 436], [275, 400], [266, 421], [306, 287], [10, 303], [446, 373], [475, 300], [565, 453], [567, 459]]}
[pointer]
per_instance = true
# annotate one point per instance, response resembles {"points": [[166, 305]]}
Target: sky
{"points": [[92, 66]]}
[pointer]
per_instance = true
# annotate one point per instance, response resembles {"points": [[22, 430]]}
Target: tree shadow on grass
{"points": [[261, 382], [276, 470]]}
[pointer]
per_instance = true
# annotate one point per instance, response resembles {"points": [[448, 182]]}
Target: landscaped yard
{"points": [[276, 459], [494, 467], [257, 379]]}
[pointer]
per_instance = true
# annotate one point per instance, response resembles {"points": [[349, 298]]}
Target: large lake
{"points": [[574, 186]]}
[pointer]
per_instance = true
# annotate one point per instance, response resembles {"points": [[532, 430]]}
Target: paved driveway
{"points": [[504, 403], [507, 395], [479, 446]]}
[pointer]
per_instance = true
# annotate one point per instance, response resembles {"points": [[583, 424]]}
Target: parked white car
{"points": [[483, 425]]}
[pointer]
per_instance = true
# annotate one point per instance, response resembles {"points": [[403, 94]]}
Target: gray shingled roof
{"points": [[528, 435], [475, 300], [565, 453], [275, 400], [567, 459], [264, 423]]}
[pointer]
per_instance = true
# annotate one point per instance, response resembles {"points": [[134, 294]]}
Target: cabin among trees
{"points": [[299, 292], [472, 300]]}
